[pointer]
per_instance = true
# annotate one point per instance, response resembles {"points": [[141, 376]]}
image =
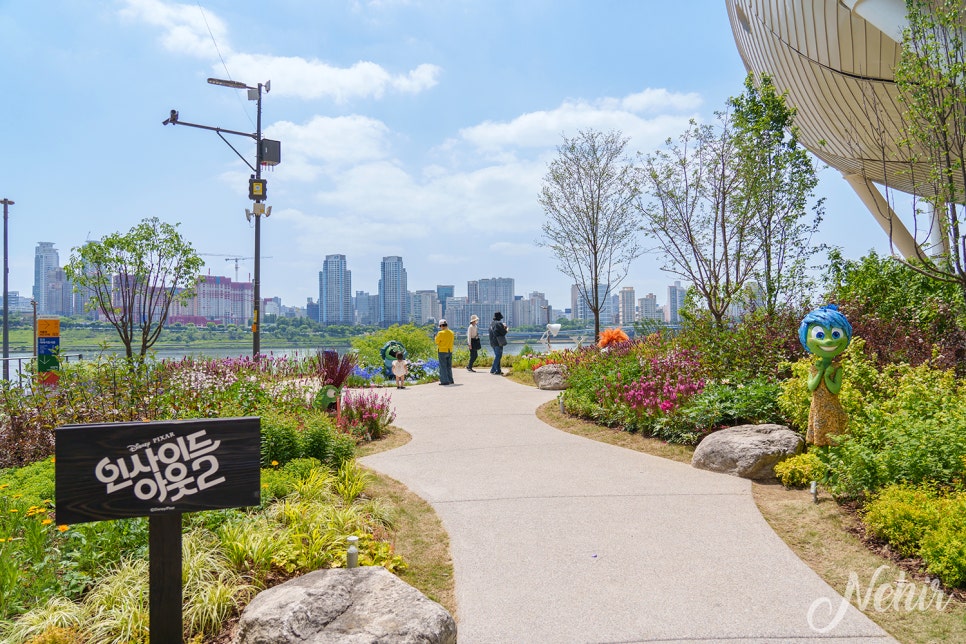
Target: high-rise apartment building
{"points": [[216, 299], [675, 303], [425, 307], [335, 291], [393, 292], [581, 309], [45, 261], [648, 306], [312, 310], [472, 291], [626, 307], [443, 293], [540, 311], [58, 293], [496, 290]]}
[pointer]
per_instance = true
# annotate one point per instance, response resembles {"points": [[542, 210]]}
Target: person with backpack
{"points": [[498, 331]]}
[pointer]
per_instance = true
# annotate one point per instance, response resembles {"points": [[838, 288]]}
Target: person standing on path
{"points": [[473, 341], [498, 332], [444, 347]]}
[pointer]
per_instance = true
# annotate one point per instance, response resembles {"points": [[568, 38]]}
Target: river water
{"points": [[19, 359]]}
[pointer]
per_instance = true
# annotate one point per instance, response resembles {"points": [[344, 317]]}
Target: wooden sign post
{"points": [[159, 470]]}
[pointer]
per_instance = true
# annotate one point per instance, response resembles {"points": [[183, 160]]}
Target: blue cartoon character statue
{"points": [[825, 333], [388, 353]]}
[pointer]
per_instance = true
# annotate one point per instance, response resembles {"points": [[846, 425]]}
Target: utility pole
{"points": [[267, 152], [6, 295]]}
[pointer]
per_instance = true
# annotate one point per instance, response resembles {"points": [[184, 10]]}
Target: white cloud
{"points": [[329, 143], [311, 79], [543, 129], [185, 27], [185, 30], [653, 100]]}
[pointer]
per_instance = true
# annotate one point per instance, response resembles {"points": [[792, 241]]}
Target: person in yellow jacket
{"points": [[444, 347]]}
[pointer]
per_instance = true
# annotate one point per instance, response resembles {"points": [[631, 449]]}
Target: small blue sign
{"points": [[47, 346]]}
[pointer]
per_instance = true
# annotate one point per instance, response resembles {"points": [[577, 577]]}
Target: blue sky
{"points": [[408, 127]]}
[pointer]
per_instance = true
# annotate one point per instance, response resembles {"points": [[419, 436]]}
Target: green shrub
{"points": [[800, 470], [319, 438], [418, 342], [723, 404], [280, 440], [944, 548], [755, 346], [912, 430], [34, 482], [902, 515], [277, 483]]}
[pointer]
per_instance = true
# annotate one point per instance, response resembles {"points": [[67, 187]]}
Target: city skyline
{"points": [[222, 300]]}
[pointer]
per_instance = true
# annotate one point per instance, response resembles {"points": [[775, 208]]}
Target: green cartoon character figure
{"points": [[825, 333]]}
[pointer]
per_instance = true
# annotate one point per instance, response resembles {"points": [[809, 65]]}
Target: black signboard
{"points": [[121, 470]]}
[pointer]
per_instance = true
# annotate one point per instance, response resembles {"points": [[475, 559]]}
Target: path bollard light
{"points": [[814, 492], [560, 400], [352, 553]]}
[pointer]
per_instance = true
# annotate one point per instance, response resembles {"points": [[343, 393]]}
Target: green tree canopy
{"points": [[133, 278], [778, 182]]}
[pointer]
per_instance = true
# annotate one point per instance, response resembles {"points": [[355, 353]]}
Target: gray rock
{"points": [[748, 451], [551, 376], [362, 605]]}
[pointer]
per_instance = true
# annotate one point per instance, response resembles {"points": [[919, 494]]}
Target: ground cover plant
{"points": [[75, 582], [673, 387]]}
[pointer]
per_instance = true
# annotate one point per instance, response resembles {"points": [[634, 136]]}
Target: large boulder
{"points": [[748, 451], [347, 605], [550, 376]]}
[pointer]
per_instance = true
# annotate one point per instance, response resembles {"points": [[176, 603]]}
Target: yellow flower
{"points": [[53, 459], [4, 486], [274, 463], [265, 486], [46, 522], [14, 510], [2, 540], [63, 528]]}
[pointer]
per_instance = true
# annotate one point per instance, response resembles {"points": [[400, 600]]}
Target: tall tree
{"points": [[931, 78], [133, 279], [778, 182], [592, 225], [696, 207]]}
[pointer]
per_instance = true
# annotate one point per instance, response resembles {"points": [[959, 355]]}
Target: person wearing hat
{"points": [[473, 341], [444, 347], [497, 341]]}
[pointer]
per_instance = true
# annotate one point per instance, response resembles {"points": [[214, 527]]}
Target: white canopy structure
{"points": [[835, 58]]}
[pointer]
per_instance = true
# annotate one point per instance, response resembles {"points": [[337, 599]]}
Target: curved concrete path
{"points": [[556, 538]]}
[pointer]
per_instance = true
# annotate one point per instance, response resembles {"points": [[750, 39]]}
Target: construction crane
{"points": [[233, 258]]}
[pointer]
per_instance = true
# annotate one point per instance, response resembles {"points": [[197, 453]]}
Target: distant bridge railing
{"points": [[21, 360]]}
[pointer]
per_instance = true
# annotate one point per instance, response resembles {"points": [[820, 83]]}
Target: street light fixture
{"points": [[267, 152]]}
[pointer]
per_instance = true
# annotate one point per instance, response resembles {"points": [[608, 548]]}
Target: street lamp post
{"points": [[6, 295], [256, 185]]}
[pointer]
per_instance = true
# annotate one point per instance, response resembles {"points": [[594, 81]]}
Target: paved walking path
{"points": [[556, 538]]}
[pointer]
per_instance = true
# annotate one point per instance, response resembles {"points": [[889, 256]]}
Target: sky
{"points": [[419, 128]]}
